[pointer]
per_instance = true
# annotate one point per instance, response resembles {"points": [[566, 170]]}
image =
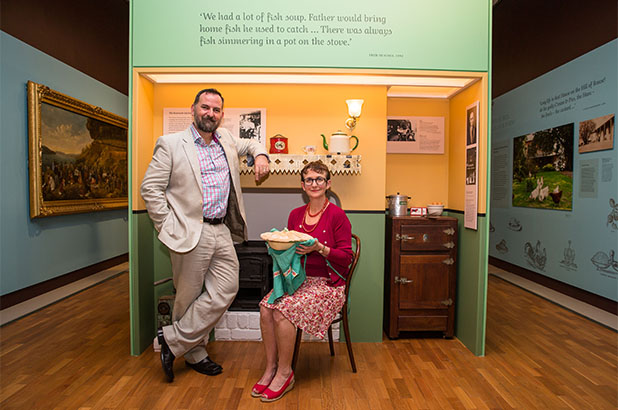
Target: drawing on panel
{"points": [[612, 218], [501, 247], [596, 134], [543, 169], [536, 256], [604, 262], [491, 227], [569, 258], [514, 225]]}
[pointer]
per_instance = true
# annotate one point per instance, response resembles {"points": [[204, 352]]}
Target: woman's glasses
{"points": [[319, 181]]}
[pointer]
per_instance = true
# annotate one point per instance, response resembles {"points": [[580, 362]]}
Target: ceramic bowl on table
{"points": [[435, 210]]}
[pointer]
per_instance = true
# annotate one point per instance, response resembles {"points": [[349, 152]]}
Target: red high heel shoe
{"points": [[258, 389], [270, 395]]}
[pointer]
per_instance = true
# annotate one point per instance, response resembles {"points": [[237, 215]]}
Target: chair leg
{"points": [[348, 342], [330, 340], [299, 336]]}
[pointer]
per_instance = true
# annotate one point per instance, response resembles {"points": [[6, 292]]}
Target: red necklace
{"points": [[321, 213]]}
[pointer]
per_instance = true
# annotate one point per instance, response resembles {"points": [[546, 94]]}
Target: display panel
{"points": [[553, 205]]}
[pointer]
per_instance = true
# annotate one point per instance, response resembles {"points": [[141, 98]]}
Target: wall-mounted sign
{"points": [[472, 157], [415, 135], [243, 122], [321, 33]]}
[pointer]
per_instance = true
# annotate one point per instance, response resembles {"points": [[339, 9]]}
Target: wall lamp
{"points": [[354, 110]]}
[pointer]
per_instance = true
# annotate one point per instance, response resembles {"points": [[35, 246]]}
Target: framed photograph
{"points": [[246, 123], [543, 169], [415, 135], [472, 123], [77, 155], [471, 166], [596, 134]]}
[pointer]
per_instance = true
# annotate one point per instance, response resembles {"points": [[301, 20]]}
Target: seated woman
{"points": [[314, 305]]}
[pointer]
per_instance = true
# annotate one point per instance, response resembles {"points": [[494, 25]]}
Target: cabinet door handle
{"points": [[449, 245], [447, 302], [403, 281], [449, 231], [403, 237], [448, 261]]}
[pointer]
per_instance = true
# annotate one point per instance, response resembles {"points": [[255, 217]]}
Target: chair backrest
{"points": [[356, 252]]}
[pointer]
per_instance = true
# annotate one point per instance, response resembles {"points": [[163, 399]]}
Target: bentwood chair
{"points": [[342, 317]]}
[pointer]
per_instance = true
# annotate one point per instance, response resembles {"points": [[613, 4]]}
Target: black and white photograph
{"points": [[597, 134], [250, 124], [471, 166], [246, 123], [472, 124], [401, 130]]}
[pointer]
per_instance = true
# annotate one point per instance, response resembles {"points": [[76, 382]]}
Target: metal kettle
{"points": [[397, 204], [339, 143]]}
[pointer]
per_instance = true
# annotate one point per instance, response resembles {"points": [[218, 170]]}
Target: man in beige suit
{"points": [[192, 192]]}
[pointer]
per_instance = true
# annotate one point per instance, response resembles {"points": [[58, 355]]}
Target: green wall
{"points": [[150, 262], [432, 35], [367, 291], [471, 284]]}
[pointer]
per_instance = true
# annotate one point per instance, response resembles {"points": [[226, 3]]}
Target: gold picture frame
{"points": [[77, 155]]}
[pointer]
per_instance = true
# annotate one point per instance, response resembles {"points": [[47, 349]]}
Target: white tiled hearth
{"points": [[246, 326]]}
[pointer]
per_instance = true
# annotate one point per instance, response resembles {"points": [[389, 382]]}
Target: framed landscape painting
{"points": [[77, 155]]}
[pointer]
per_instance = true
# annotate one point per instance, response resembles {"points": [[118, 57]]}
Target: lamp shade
{"points": [[354, 107]]}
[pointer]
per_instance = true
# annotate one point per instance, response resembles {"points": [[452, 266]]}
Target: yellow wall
{"points": [[301, 113], [142, 135], [457, 149], [423, 177]]}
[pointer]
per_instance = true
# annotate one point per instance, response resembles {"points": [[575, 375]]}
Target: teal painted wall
{"points": [[581, 90], [32, 251]]}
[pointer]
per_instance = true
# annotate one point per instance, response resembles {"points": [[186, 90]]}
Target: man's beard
{"points": [[206, 124]]}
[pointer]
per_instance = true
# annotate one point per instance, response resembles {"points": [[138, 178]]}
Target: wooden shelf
{"points": [[293, 164]]}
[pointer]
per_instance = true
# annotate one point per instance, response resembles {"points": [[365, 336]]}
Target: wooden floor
{"points": [[75, 354]]}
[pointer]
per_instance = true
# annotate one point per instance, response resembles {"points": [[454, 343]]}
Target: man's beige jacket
{"points": [[172, 188]]}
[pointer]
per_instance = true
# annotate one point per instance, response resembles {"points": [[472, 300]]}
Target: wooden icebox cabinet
{"points": [[420, 274]]}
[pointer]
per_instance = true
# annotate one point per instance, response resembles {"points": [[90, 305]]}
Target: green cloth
{"points": [[288, 271]]}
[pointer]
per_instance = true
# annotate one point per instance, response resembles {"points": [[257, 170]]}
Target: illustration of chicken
{"points": [[556, 194]]}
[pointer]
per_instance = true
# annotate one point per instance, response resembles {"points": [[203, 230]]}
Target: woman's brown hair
{"points": [[315, 166]]}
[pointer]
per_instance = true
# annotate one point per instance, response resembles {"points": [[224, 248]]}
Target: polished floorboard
{"points": [[74, 354]]}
